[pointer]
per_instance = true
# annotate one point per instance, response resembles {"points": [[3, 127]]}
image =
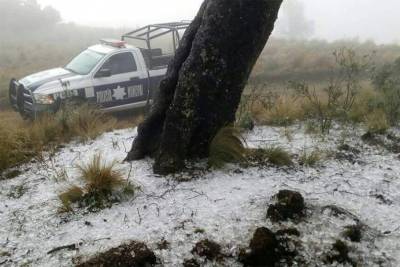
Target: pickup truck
{"points": [[114, 74]]}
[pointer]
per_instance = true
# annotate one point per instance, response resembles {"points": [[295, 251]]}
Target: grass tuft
{"points": [[100, 177], [72, 195], [272, 155], [103, 186], [310, 159], [228, 146]]}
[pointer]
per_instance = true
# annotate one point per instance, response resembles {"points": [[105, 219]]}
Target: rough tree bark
{"points": [[204, 82]]}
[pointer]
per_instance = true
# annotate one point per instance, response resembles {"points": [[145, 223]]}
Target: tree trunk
{"points": [[204, 82]]}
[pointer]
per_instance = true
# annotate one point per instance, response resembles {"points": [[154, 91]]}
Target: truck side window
{"points": [[120, 63]]}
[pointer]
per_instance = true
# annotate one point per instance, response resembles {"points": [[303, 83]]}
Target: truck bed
{"points": [[155, 59]]}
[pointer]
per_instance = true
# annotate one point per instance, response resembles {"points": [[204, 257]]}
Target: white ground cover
{"points": [[225, 205]]}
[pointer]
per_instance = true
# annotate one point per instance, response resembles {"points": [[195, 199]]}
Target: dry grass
{"points": [[20, 140], [377, 122], [14, 147], [100, 177], [103, 186], [285, 110]]}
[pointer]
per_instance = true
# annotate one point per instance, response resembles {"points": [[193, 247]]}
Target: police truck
{"points": [[115, 75]]}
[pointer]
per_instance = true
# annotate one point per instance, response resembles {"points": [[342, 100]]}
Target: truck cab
{"points": [[114, 75]]}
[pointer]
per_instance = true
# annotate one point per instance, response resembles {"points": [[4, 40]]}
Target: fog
{"points": [[331, 19]]}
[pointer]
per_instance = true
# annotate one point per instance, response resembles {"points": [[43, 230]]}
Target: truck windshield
{"points": [[85, 62]]}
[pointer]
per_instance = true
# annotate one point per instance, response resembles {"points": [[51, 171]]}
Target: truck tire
{"points": [[12, 92]]}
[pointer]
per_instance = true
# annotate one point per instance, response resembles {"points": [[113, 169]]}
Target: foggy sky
{"points": [[378, 20]]}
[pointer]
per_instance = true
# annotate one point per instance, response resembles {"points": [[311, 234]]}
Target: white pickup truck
{"points": [[114, 75]]}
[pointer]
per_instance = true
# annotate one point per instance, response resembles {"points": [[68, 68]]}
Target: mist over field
{"points": [[331, 19]]}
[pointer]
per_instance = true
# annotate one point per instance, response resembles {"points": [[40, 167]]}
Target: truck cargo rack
{"points": [[153, 31]]}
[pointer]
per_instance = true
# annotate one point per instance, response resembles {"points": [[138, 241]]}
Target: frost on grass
{"points": [[228, 205]]}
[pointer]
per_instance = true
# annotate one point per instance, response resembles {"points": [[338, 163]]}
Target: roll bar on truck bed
{"points": [[153, 31]]}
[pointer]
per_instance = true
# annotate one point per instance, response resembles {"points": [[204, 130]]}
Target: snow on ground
{"points": [[227, 204]]}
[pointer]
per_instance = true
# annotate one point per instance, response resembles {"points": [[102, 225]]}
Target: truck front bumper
{"points": [[22, 101]]}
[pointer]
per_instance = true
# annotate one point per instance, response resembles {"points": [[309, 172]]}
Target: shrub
{"points": [[336, 99], [228, 146], [103, 186]]}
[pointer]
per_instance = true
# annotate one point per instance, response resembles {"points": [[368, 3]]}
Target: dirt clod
{"points": [[190, 263], [264, 249], [353, 233], [288, 232], [340, 254], [163, 244], [290, 205], [134, 254], [208, 249]]}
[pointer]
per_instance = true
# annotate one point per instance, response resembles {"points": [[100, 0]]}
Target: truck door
{"points": [[119, 82]]}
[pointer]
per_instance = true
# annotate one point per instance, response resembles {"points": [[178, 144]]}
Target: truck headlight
{"points": [[44, 99]]}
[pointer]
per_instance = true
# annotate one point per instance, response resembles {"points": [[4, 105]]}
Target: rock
{"points": [[208, 249], [134, 254], [264, 249], [290, 205]]}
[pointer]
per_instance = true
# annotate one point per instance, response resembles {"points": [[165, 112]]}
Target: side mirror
{"points": [[103, 73]]}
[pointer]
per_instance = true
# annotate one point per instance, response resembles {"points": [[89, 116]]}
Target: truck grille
{"points": [[28, 101], [21, 98]]}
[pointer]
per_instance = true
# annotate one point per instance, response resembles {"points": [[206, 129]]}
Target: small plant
{"points": [[103, 187], [273, 155], [310, 159], [228, 146]]}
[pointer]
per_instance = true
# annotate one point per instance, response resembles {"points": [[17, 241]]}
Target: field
{"points": [[316, 117]]}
